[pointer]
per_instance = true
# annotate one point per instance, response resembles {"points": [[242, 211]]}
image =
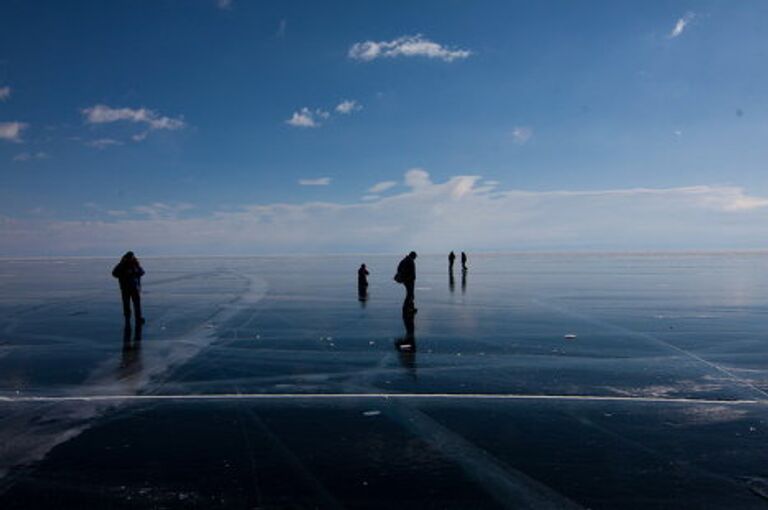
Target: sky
{"points": [[236, 127]]}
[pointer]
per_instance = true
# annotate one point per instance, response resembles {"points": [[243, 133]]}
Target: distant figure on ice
{"points": [[451, 259], [362, 283], [129, 272], [406, 274], [463, 261]]}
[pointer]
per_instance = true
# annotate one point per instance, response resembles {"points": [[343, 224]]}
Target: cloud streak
{"points": [[680, 25], [5, 93], [427, 216], [405, 46], [103, 143], [348, 106], [521, 134], [322, 181], [28, 156], [382, 186], [103, 114]]}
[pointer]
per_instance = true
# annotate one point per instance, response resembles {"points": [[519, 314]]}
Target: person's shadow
{"points": [[406, 345], [130, 362], [451, 282], [463, 281]]}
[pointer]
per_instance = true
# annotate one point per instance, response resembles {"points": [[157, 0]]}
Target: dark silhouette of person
{"points": [[362, 283], [406, 274], [362, 276], [129, 272], [451, 260], [463, 261]]}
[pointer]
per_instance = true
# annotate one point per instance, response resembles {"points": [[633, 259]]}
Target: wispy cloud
{"points": [[322, 181], [522, 134], [5, 93], [103, 114], [160, 210], [103, 143], [281, 28], [348, 106], [382, 186], [224, 4], [11, 131], [28, 156], [307, 118], [680, 24], [428, 215], [405, 46]]}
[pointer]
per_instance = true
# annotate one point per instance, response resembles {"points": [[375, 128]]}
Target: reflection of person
{"points": [[451, 259], [406, 274], [406, 345], [129, 272], [130, 363], [451, 282], [463, 261]]}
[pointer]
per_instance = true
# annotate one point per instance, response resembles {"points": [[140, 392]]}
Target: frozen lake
{"points": [[265, 383]]}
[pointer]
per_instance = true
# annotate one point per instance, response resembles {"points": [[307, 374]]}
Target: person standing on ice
{"points": [[406, 274], [451, 259], [463, 261], [129, 272], [362, 283], [362, 277]]}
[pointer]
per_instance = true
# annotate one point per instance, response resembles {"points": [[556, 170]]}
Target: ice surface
{"points": [[266, 382]]}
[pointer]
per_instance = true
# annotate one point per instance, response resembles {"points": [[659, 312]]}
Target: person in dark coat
{"points": [[463, 261], [451, 259], [406, 273], [362, 283], [129, 272], [362, 277]]}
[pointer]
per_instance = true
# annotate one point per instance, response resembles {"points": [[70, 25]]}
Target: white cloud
{"points": [[103, 143], [348, 106], [27, 156], [382, 186], [428, 216], [5, 93], [521, 134], [417, 178], [322, 181], [681, 24], [405, 46], [103, 114], [307, 118], [11, 131]]}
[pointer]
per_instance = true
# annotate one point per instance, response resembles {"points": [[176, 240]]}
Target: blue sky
{"points": [[165, 126]]}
